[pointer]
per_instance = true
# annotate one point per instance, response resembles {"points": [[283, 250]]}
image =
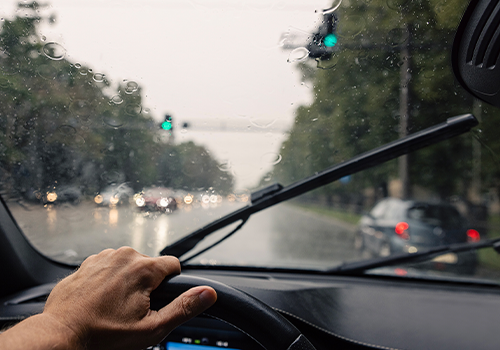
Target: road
{"points": [[281, 236]]}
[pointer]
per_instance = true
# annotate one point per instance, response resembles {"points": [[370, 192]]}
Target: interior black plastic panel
{"points": [[21, 264], [365, 312], [476, 51]]}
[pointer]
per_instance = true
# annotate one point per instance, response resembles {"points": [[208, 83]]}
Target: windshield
{"points": [[138, 122]]}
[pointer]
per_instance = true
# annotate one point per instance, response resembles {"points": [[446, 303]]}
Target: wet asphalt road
{"points": [[284, 236]]}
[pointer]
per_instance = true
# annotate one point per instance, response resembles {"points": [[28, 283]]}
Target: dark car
{"points": [[62, 194], [395, 225]]}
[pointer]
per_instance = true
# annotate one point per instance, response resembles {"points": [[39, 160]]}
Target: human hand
{"points": [[106, 303]]}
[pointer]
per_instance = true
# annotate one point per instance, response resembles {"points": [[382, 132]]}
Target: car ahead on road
{"points": [[62, 194], [114, 195], [395, 225], [157, 199], [336, 102]]}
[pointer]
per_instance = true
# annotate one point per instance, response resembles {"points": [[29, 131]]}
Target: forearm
{"points": [[39, 332]]}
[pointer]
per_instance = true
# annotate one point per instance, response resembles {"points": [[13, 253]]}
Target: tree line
{"points": [[63, 123], [357, 102]]}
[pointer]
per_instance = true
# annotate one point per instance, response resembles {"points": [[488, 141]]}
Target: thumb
{"points": [[186, 306]]}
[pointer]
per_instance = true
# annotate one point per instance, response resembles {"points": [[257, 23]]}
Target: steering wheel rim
{"points": [[246, 313]]}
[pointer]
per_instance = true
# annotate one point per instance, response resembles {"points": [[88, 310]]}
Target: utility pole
{"points": [[404, 113]]}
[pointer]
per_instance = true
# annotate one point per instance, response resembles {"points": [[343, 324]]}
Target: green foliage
{"points": [[60, 125], [356, 104]]}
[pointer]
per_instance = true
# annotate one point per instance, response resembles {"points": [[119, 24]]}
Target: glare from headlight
{"points": [[164, 202], [188, 199], [51, 196], [140, 202], [114, 200], [98, 199]]}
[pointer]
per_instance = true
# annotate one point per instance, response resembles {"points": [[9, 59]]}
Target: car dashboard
{"points": [[354, 312]]}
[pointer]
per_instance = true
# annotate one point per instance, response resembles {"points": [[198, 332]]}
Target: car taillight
{"points": [[473, 235], [400, 230]]}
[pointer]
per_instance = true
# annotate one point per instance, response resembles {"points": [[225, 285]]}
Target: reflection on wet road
{"points": [[280, 236]]}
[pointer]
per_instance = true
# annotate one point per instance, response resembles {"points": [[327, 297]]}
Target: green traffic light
{"points": [[166, 125], [330, 40]]}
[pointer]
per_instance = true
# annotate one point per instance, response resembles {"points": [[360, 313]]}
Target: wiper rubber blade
{"points": [[420, 256], [276, 193]]}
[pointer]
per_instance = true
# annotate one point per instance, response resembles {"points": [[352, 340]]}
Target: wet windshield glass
{"points": [[137, 122]]}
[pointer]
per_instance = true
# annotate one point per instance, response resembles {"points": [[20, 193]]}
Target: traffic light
{"points": [[167, 124], [325, 39]]}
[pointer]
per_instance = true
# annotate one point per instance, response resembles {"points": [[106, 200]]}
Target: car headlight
{"points": [[98, 199]]}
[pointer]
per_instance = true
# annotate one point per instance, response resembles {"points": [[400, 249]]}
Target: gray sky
{"points": [[198, 61]]}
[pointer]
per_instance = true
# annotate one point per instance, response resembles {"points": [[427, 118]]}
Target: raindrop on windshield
{"points": [[54, 51], [98, 77], [271, 158], [396, 4], [298, 55], [397, 36], [82, 109], [133, 109], [329, 63], [356, 25], [4, 83], [66, 130], [263, 124], [116, 99], [131, 87], [335, 5], [112, 121], [267, 177], [225, 165], [47, 71]]}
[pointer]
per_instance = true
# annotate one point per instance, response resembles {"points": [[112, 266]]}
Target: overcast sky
{"points": [[213, 65]]}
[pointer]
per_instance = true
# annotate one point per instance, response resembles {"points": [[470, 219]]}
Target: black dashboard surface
{"points": [[354, 312]]}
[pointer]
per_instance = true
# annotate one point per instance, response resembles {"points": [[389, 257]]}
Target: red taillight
{"points": [[401, 228], [473, 235], [400, 272]]}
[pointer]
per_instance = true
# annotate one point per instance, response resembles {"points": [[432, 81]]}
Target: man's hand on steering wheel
{"points": [[105, 304]]}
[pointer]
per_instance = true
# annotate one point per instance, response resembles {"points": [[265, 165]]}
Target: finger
{"points": [[186, 306], [168, 265], [157, 269]]}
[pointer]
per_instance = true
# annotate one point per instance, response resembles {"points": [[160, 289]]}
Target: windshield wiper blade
{"points": [[420, 256], [276, 193]]}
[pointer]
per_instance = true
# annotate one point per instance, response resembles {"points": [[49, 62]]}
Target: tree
{"points": [[59, 125], [357, 97]]}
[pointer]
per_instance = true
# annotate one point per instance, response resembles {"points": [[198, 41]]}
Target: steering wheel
{"points": [[254, 318]]}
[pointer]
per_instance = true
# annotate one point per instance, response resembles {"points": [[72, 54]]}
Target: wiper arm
{"points": [[420, 256], [276, 193]]}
